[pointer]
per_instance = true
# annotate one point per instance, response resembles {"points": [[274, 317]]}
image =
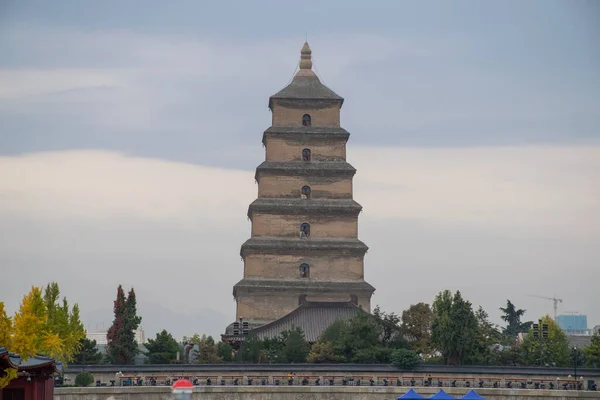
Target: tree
{"points": [[88, 353], [121, 343], [454, 327], [391, 332], [225, 351], [592, 351], [359, 340], [416, 327], [163, 349], [208, 352], [295, 347], [487, 338], [5, 328], [41, 326], [323, 352], [551, 351], [512, 317], [405, 358], [83, 379]]}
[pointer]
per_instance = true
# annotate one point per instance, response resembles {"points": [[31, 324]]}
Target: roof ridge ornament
{"points": [[305, 61]]}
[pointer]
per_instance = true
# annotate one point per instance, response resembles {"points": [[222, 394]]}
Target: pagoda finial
{"points": [[305, 57], [305, 61]]}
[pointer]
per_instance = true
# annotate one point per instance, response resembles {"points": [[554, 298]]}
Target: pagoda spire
{"points": [[305, 61]]}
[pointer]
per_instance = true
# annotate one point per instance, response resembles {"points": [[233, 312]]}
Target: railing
{"points": [[511, 382]]}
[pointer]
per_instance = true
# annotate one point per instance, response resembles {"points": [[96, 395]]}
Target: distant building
{"points": [[100, 336], [573, 324]]}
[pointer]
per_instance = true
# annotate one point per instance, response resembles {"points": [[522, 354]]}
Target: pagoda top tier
{"points": [[306, 85]]}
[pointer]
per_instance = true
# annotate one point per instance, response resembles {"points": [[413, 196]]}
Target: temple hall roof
{"points": [[312, 317]]}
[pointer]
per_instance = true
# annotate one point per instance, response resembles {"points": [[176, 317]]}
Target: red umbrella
{"points": [[182, 384]]}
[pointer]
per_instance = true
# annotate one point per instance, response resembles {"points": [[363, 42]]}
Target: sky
{"points": [[129, 136]]}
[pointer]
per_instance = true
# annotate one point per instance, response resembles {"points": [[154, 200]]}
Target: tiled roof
{"points": [[33, 362], [312, 317], [306, 88], [297, 206], [302, 285], [276, 245], [302, 168]]}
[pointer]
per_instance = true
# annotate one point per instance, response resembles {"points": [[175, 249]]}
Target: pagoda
{"points": [[304, 263]]}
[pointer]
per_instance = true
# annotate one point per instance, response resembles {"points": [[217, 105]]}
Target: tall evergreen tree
{"points": [[512, 316], [592, 351], [163, 349], [121, 343]]}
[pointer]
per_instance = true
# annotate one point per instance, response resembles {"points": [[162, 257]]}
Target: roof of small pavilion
{"points": [[37, 362]]}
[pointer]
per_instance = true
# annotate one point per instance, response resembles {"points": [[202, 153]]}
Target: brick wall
{"points": [[288, 267], [288, 116], [289, 225], [288, 150], [290, 186]]}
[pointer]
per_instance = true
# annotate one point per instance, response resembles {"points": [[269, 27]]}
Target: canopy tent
{"points": [[472, 395], [441, 395], [410, 395]]}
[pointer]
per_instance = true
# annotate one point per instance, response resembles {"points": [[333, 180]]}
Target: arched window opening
{"points": [[306, 120], [306, 155], [304, 271], [305, 194], [305, 230]]}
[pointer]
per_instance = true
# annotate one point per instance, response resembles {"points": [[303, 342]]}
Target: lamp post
{"points": [[575, 356]]}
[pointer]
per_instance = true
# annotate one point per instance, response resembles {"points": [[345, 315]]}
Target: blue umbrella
{"points": [[410, 395], [442, 395], [472, 395]]}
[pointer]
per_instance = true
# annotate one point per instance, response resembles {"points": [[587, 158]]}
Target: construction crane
{"points": [[554, 299]]}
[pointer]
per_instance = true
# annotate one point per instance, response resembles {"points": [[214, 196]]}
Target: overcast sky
{"points": [[129, 135]]}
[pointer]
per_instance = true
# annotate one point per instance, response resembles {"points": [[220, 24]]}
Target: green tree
{"points": [[208, 351], [551, 351], [486, 340], [122, 345], [405, 358], [323, 352], [416, 327], [163, 349], [360, 340], [391, 331], [88, 353], [225, 351], [454, 327], [295, 347], [592, 351], [512, 316], [84, 378]]}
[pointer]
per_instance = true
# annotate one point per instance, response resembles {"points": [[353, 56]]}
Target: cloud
{"points": [[449, 218]]}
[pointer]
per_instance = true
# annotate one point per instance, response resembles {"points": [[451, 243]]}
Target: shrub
{"points": [[84, 379], [405, 358]]}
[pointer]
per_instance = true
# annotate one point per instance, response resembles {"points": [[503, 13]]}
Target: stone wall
{"points": [[305, 392]]}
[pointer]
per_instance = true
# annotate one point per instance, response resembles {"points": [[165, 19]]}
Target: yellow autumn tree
{"points": [[43, 326], [5, 341]]}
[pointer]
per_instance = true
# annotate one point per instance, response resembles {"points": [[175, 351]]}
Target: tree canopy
{"points": [[122, 345], [42, 326], [163, 349]]}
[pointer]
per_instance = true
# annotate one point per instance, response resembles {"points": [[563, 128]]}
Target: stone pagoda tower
{"points": [[304, 246]]}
